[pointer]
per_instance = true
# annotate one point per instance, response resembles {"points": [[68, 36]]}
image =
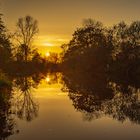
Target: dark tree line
{"points": [[97, 49], [5, 45]]}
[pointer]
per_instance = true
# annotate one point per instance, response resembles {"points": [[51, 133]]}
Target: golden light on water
{"points": [[47, 79]]}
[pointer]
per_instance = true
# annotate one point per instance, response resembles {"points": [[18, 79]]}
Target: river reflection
{"points": [[7, 122], [121, 107], [100, 97], [54, 103]]}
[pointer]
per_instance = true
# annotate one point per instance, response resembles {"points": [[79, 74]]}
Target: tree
{"points": [[53, 58], [27, 28], [5, 45], [88, 48], [126, 52]]}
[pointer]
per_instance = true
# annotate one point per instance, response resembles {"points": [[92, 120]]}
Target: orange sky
{"points": [[59, 18]]}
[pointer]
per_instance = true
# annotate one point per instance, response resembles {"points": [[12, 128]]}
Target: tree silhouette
{"points": [[126, 52], [27, 28], [5, 45], [88, 49]]}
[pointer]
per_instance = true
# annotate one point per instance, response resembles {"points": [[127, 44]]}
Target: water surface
{"points": [[47, 110]]}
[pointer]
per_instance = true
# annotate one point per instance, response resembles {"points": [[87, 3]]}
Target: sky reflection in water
{"points": [[49, 110]]}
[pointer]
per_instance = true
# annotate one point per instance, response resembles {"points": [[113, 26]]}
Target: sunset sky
{"points": [[59, 18]]}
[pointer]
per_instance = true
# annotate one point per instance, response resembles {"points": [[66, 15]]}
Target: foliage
{"points": [[27, 28], [97, 49], [89, 48], [5, 45]]}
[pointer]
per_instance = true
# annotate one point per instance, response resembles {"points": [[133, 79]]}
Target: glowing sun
{"points": [[47, 54]]}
